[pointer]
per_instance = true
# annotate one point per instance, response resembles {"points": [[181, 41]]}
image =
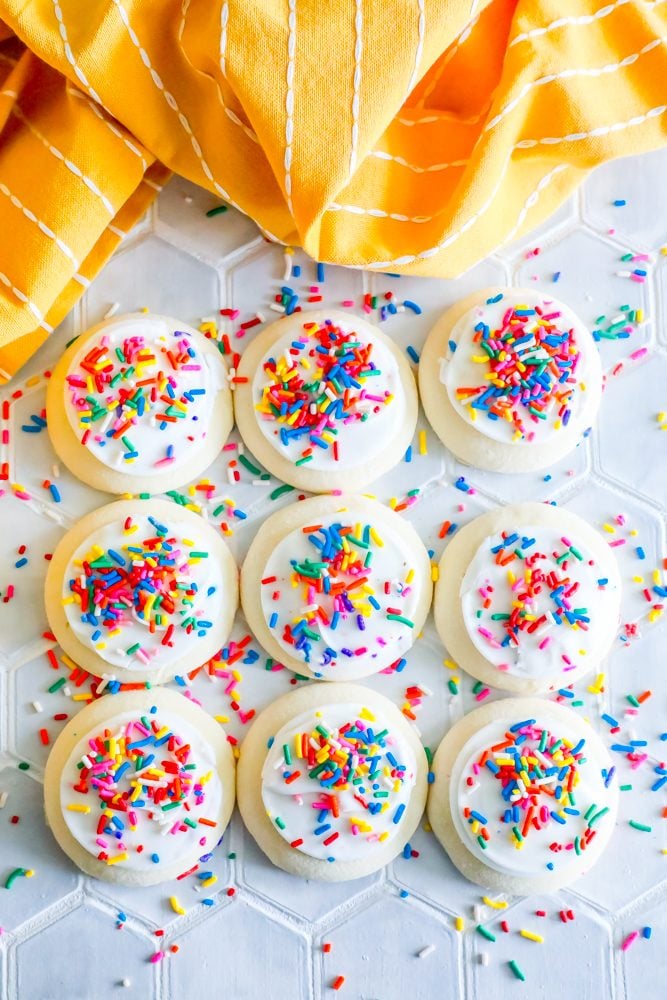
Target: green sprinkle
{"points": [[286, 754], [633, 701], [57, 685], [280, 491], [625, 788], [279, 823], [516, 970], [485, 933], [640, 826], [402, 619], [247, 464], [132, 650], [452, 686], [23, 766], [218, 210]]}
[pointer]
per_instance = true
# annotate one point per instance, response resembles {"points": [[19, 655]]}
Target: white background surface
{"points": [[60, 935]]}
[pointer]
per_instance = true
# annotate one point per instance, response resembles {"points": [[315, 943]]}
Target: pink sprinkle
{"points": [[482, 694], [157, 957], [629, 940], [348, 303], [639, 353]]}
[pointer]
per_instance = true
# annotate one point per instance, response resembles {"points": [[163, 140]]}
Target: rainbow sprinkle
{"points": [[537, 774], [536, 581], [115, 391], [335, 585], [353, 759], [149, 580], [145, 771], [529, 365], [322, 382]]}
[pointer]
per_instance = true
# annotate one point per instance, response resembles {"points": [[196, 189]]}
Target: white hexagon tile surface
{"points": [[411, 928]]}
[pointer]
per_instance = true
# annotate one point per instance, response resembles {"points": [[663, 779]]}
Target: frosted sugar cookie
{"points": [[141, 590], [510, 379], [524, 797], [528, 598], [331, 781], [336, 587], [139, 403], [329, 402], [138, 786]]}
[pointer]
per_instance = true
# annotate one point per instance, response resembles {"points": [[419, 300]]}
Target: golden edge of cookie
{"points": [[85, 466], [467, 444], [439, 813], [315, 481], [99, 713], [289, 519], [86, 657], [249, 781], [454, 563]]}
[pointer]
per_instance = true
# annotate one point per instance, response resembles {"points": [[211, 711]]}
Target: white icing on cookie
{"points": [[535, 602], [140, 394], [143, 590], [529, 822], [119, 806], [556, 387], [334, 597], [329, 396], [303, 809]]}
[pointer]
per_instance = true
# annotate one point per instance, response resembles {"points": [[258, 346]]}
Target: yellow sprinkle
{"points": [[366, 714], [459, 923], [222, 719], [82, 697], [532, 937], [435, 572], [176, 906], [76, 808], [208, 881], [423, 450], [450, 664], [496, 904], [609, 529], [116, 858]]}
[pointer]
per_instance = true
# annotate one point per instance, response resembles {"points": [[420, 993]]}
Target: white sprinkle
{"points": [[483, 958], [112, 310], [3, 799], [55, 469], [128, 982], [425, 952], [37, 706]]}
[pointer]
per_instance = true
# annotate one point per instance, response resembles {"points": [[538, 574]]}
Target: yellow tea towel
{"points": [[402, 135]]}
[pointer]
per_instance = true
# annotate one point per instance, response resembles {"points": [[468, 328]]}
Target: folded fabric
{"points": [[411, 136]]}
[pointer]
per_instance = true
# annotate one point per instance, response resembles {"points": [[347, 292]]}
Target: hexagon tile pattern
{"points": [[413, 928]]}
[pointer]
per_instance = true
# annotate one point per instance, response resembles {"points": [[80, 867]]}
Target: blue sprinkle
{"points": [[620, 202], [412, 354], [452, 346], [320, 272], [404, 894], [408, 454], [409, 304]]}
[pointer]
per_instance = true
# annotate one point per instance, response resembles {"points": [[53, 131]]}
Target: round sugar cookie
{"points": [[138, 786], [336, 588], [329, 402], [524, 798], [369, 800], [139, 403], [528, 598], [510, 379], [141, 590]]}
